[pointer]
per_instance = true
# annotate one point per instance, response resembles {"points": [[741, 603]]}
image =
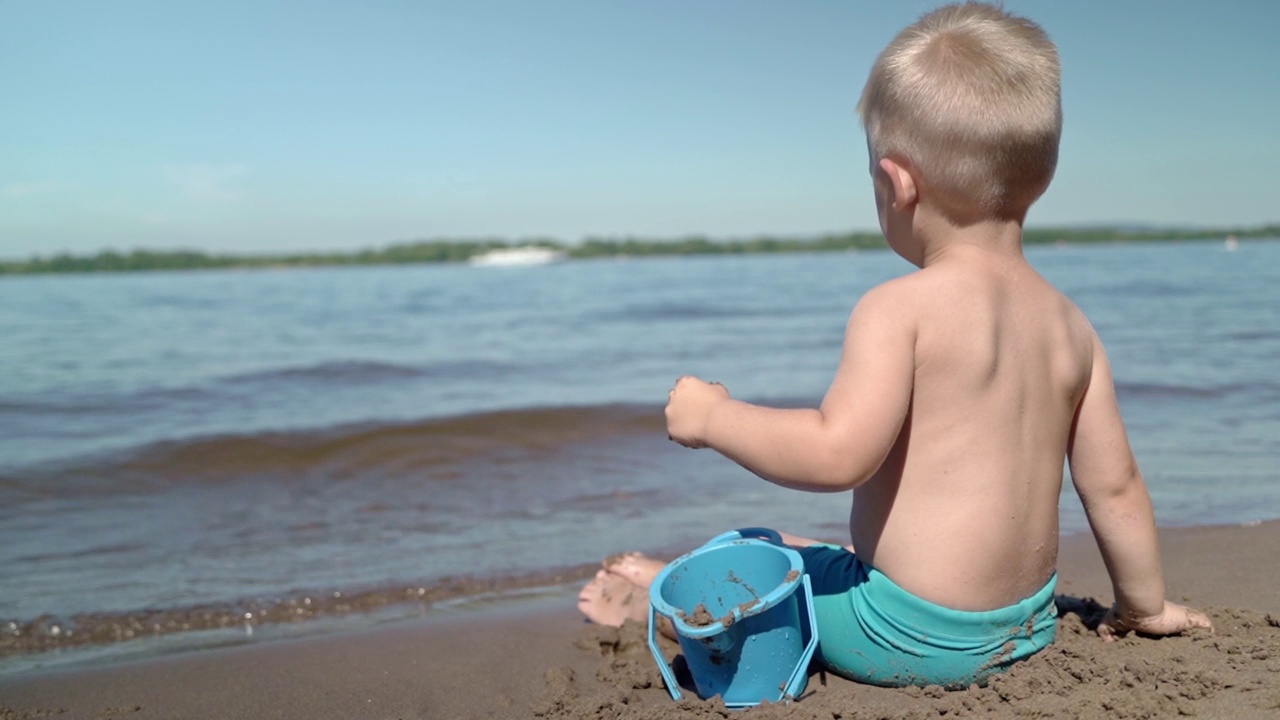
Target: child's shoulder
{"points": [[891, 294], [941, 294], [911, 291], [898, 303]]}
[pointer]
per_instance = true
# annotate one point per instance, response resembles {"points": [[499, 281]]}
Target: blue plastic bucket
{"points": [[742, 609]]}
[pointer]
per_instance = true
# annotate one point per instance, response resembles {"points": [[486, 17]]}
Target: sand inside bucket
{"points": [[702, 617]]}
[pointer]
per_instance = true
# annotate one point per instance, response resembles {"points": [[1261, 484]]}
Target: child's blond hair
{"points": [[969, 96]]}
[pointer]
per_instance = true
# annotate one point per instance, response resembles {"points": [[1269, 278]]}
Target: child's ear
{"points": [[904, 186]]}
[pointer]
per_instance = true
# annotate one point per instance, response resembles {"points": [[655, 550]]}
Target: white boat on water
{"points": [[517, 256]]}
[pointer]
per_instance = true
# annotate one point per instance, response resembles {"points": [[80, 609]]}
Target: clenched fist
{"points": [[688, 405]]}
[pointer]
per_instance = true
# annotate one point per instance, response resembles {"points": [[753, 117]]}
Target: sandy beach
{"points": [[539, 659]]}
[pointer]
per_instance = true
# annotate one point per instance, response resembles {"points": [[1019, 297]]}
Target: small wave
{"points": [[163, 397], [11, 405], [1160, 390], [658, 312], [102, 402], [1145, 288], [117, 549], [1252, 335], [56, 406], [611, 500], [362, 372], [338, 453], [348, 371]]}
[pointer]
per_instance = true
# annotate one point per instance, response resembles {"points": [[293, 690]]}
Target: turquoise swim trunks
{"points": [[872, 631]]}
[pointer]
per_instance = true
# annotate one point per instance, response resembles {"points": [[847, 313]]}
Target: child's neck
{"points": [[940, 239]]}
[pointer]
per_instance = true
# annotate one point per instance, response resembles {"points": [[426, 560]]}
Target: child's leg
{"points": [[611, 599], [619, 592], [636, 567], [642, 569]]}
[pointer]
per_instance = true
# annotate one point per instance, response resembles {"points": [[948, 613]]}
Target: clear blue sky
{"points": [[293, 125]]}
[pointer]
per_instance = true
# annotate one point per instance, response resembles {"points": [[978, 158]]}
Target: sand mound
{"points": [[1233, 673]]}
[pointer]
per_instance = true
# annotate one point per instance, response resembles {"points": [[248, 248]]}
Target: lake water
{"points": [[178, 449]]}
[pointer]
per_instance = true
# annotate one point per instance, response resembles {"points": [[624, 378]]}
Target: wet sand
{"points": [[537, 659]]}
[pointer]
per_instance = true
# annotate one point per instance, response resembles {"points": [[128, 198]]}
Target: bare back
{"points": [[964, 510]]}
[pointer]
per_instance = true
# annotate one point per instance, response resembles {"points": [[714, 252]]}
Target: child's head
{"points": [[968, 98]]}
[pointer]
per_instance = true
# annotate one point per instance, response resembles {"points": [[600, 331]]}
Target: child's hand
{"points": [[1172, 620], [688, 405]]}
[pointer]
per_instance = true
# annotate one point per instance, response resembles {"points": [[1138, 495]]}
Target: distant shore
{"points": [[457, 251]]}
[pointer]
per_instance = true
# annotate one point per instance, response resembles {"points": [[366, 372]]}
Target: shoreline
{"points": [[103, 639], [98, 636], [515, 659], [461, 252]]}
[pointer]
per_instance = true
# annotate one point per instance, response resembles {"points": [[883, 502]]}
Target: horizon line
{"points": [[1121, 227]]}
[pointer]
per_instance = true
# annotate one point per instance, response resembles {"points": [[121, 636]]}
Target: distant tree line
{"points": [[453, 251]]}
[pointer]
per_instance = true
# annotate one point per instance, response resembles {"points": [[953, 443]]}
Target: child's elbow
{"points": [[1120, 482], [841, 470]]}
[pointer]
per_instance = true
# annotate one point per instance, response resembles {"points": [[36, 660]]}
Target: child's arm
{"points": [[836, 447], [1106, 476]]}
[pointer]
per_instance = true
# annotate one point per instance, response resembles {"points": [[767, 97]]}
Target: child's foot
{"points": [[611, 599], [640, 569], [635, 566]]}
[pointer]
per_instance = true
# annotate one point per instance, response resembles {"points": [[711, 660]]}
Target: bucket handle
{"points": [[667, 676], [798, 676], [757, 533]]}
